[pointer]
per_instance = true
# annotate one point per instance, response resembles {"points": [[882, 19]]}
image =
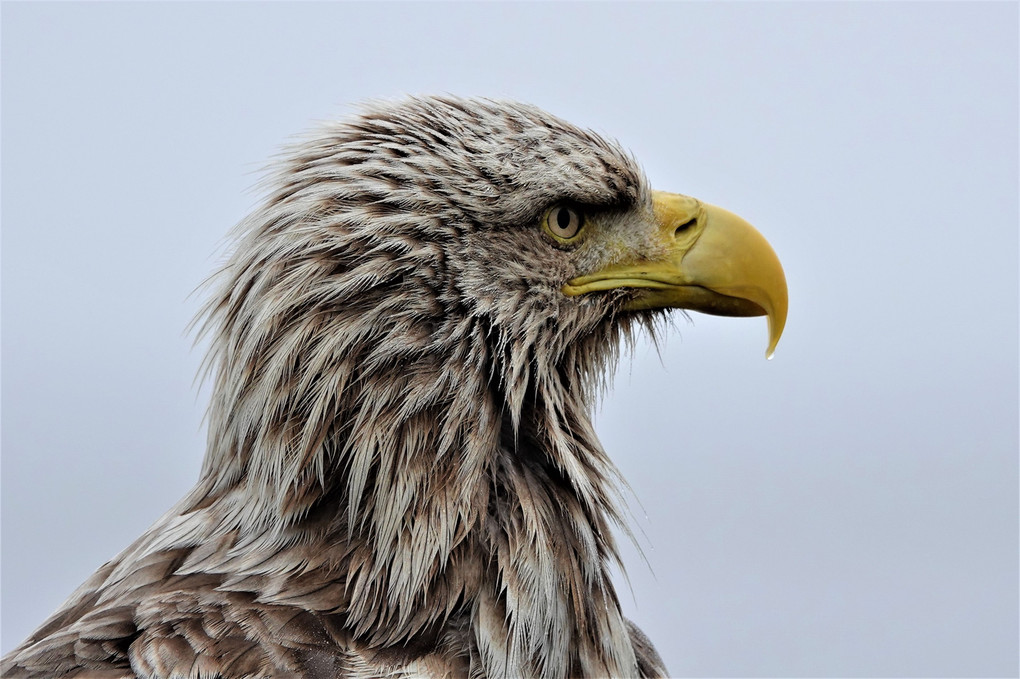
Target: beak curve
{"points": [[713, 261]]}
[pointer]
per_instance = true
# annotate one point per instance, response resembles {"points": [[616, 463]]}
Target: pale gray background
{"points": [[849, 508]]}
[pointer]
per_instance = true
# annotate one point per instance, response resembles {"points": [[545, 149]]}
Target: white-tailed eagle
{"points": [[402, 477]]}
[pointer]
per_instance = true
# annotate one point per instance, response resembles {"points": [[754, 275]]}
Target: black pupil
{"points": [[563, 219]]}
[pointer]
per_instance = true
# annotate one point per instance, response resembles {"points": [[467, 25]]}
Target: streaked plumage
{"points": [[402, 478]]}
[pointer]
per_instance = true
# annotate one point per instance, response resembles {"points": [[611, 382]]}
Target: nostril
{"points": [[685, 226]]}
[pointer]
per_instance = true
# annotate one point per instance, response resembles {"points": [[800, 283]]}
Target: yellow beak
{"points": [[713, 262]]}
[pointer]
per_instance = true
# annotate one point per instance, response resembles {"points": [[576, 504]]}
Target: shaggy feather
{"points": [[402, 478]]}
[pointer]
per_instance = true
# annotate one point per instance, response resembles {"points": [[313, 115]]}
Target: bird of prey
{"points": [[402, 477]]}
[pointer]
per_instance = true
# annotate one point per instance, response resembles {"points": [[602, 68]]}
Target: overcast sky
{"points": [[848, 508]]}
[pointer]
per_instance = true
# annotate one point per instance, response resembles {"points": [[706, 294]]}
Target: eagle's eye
{"points": [[563, 223]]}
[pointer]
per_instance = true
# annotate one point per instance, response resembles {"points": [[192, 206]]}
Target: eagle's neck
{"points": [[548, 607], [504, 527], [466, 512], [440, 475]]}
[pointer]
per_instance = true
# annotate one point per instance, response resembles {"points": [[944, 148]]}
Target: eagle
{"points": [[402, 478]]}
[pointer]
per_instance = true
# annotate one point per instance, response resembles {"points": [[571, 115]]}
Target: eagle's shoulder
{"points": [[198, 632], [160, 621]]}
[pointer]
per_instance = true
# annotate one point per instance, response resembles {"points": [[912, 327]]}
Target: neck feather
{"points": [[430, 495]]}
